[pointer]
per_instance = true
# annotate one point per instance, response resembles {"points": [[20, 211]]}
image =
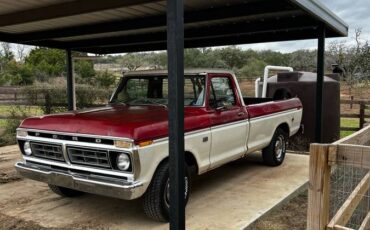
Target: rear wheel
{"points": [[65, 192], [274, 153], [156, 199]]}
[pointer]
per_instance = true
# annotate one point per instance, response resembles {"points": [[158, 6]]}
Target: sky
{"points": [[356, 13]]}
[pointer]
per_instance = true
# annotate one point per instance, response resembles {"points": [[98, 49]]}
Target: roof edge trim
{"points": [[324, 14]]}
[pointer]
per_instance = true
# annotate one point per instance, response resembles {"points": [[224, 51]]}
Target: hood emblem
{"points": [[55, 136], [75, 138], [98, 140]]}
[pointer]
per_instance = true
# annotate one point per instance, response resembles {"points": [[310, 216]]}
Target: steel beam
{"points": [[175, 63], [65, 9], [71, 92], [320, 83], [230, 39], [253, 11], [235, 29]]}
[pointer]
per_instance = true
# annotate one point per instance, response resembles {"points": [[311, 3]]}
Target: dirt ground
{"points": [[291, 215]]}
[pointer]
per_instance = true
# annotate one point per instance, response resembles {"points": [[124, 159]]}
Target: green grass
{"points": [[30, 110], [348, 122], [2, 123], [6, 110]]}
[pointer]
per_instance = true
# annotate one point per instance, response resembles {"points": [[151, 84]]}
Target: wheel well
{"points": [[189, 159], [284, 127]]}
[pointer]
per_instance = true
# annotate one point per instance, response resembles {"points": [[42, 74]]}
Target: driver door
{"points": [[229, 121]]}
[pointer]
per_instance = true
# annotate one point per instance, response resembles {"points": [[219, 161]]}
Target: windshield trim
{"points": [[126, 78]]}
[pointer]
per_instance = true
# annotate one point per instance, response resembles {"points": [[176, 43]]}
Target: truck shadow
{"points": [[210, 184], [98, 212]]}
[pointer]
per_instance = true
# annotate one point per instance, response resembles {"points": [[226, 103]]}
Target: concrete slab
{"points": [[230, 197]]}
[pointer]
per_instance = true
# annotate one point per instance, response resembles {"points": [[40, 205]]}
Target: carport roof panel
{"points": [[112, 26]]}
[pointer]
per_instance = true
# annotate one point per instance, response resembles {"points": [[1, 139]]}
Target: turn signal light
{"points": [[145, 143]]}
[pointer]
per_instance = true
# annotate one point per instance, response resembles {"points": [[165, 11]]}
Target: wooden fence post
{"points": [[319, 187], [362, 114]]}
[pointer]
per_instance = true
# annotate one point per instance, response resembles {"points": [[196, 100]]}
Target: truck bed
{"points": [[269, 106]]}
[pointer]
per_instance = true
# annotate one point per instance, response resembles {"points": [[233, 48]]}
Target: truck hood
{"points": [[135, 122]]}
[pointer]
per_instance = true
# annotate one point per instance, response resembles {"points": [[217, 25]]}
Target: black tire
{"points": [[65, 192], [155, 204], [271, 154]]}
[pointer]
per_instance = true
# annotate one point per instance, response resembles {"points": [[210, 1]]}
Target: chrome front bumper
{"points": [[82, 181]]}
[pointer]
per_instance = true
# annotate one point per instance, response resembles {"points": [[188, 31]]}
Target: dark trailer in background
{"points": [[117, 26]]}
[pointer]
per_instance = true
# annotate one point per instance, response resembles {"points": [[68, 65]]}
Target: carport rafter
{"points": [[231, 39], [256, 10], [65, 9], [228, 29]]}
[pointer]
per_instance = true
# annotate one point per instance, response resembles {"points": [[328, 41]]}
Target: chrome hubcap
{"points": [[279, 147], [167, 191]]}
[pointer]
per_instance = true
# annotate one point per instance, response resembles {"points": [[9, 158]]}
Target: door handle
{"points": [[240, 114]]}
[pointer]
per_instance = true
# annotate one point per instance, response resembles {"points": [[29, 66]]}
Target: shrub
{"points": [[46, 62], [105, 79], [84, 71], [52, 98], [8, 137], [16, 74]]}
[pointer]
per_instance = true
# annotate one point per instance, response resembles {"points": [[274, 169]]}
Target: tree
{"points": [[46, 63], [6, 55], [105, 79], [233, 56], [354, 60], [85, 71], [253, 69], [21, 52], [303, 60], [133, 61]]}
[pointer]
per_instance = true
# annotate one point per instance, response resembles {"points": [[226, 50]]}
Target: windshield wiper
{"points": [[117, 102], [160, 104]]}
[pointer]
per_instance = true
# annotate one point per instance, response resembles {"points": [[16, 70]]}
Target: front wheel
{"points": [[274, 153], [156, 199]]}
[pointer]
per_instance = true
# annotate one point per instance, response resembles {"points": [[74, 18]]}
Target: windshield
{"points": [[144, 90]]}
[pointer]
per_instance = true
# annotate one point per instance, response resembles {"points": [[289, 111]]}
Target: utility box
{"points": [[303, 86]]}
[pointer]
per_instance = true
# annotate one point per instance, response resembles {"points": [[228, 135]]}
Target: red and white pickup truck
{"points": [[121, 150]]}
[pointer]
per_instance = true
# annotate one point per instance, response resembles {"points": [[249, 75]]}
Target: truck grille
{"points": [[48, 151], [93, 157]]}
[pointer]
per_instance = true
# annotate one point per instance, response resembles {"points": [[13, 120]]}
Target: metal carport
{"points": [[115, 26]]}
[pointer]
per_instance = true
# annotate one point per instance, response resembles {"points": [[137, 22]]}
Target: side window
{"points": [[222, 93]]}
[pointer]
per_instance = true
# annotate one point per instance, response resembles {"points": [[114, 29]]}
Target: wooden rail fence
{"points": [[361, 115], [351, 151]]}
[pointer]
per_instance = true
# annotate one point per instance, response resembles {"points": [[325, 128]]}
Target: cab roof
{"points": [[186, 72]]}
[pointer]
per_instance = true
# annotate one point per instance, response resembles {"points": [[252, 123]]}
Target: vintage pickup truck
{"points": [[121, 150]]}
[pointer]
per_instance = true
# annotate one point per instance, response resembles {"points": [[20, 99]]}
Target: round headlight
{"points": [[123, 162], [27, 148]]}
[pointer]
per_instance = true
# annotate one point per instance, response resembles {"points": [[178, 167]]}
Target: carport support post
{"points": [[175, 63], [71, 93], [320, 83]]}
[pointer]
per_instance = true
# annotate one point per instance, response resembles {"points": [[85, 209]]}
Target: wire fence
{"points": [[339, 184], [344, 180]]}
